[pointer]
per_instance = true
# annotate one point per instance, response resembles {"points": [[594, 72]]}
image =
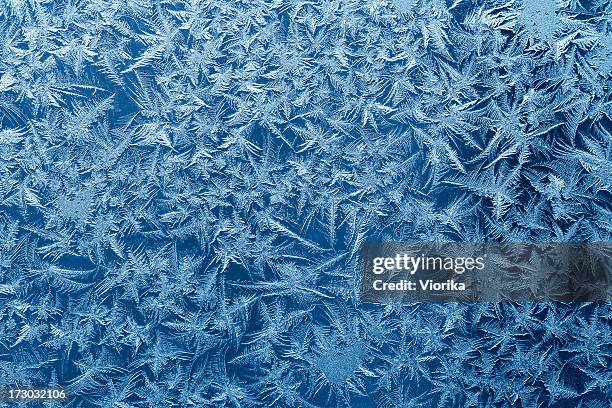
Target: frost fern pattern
{"points": [[186, 185]]}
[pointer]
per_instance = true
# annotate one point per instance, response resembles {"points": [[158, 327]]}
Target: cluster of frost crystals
{"points": [[186, 186]]}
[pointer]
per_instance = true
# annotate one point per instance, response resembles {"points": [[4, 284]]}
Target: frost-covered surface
{"points": [[185, 186]]}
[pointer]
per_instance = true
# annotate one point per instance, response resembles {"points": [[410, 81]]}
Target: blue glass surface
{"points": [[185, 186]]}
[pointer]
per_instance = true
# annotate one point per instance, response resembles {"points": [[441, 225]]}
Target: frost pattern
{"points": [[186, 185]]}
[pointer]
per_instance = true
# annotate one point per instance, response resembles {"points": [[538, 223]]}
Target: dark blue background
{"points": [[186, 185]]}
